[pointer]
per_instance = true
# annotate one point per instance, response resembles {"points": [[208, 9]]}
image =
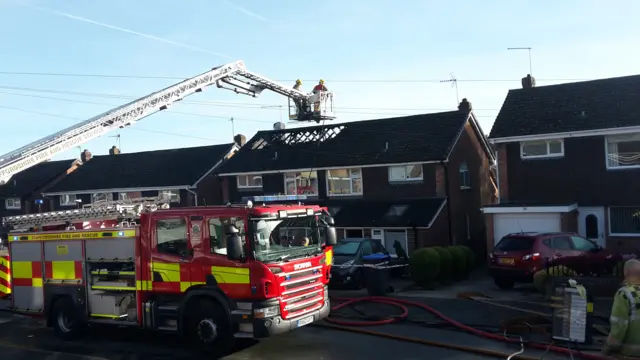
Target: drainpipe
{"points": [[195, 196], [497, 174], [447, 190]]}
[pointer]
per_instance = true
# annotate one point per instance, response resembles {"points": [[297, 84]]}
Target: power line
{"points": [[116, 76]]}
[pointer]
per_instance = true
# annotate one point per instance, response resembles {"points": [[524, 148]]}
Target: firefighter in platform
{"points": [[624, 338], [320, 87]]}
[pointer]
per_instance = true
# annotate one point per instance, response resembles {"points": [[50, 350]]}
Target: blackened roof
{"points": [[147, 169], [415, 138], [391, 213], [34, 178], [588, 105]]}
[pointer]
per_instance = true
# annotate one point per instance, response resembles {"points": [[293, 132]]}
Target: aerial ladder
{"points": [[233, 76]]}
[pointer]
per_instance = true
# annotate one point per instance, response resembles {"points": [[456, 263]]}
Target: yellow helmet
{"points": [[298, 81], [321, 81]]}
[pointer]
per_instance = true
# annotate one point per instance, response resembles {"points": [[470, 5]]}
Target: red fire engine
{"points": [[211, 273]]}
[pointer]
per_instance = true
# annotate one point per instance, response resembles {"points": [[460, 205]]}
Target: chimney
{"points": [[528, 82], [465, 105], [240, 140], [114, 150], [85, 156]]}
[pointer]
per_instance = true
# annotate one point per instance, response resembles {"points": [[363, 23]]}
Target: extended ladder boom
{"points": [[233, 73]]}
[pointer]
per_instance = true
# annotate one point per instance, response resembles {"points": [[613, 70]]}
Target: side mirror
{"points": [[331, 221], [331, 236], [234, 248]]}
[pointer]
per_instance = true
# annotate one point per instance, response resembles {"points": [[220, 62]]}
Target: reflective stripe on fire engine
{"points": [[27, 273], [85, 235], [63, 270], [179, 274], [329, 256], [5, 276], [230, 275]]}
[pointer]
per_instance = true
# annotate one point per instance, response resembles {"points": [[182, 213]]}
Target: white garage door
{"points": [[504, 224]]}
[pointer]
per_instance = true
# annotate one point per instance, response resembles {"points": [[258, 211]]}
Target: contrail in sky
{"points": [[113, 27], [246, 11]]}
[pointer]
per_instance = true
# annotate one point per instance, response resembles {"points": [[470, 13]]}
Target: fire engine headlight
{"points": [[267, 312]]}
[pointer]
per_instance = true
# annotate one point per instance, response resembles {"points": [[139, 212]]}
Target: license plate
{"points": [[305, 321], [506, 261]]}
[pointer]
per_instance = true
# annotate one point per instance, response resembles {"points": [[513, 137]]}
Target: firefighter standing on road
{"points": [[624, 338]]}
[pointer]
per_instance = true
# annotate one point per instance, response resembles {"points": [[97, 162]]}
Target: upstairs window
{"points": [[172, 195], [344, 182], [12, 204], [249, 181], [97, 198], [465, 181], [541, 149], [405, 173], [68, 200], [623, 152], [301, 183]]}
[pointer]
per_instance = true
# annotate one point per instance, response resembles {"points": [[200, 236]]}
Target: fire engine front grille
{"points": [[302, 292]]}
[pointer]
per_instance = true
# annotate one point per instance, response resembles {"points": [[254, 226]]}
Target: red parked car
{"points": [[518, 256]]}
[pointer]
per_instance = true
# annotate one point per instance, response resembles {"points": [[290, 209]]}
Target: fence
{"points": [[600, 276]]}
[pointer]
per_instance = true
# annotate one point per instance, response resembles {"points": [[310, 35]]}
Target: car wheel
{"points": [[66, 320], [504, 283]]}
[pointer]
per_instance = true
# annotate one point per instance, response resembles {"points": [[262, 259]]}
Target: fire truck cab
{"points": [[210, 273]]}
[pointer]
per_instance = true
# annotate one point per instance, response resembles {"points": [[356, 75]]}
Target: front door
{"points": [[591, 223], [171, 255], [391, 236]]}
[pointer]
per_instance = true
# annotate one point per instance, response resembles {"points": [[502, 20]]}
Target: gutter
{"points": [[447, 191], [195, 196]]}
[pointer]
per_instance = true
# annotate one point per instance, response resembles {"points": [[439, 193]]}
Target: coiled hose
{"points": [[402, 305]]}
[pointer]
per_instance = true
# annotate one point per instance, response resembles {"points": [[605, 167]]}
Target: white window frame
{"points": [[351, 178], [611, 233], [174, 199], [619, 138], [247, 177], [109, 196], [287, 179], [464, 174], [406, 172], [10, 203], [549, 155], [68, 199]]}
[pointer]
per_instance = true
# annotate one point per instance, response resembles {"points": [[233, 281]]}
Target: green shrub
{"points": [[618, 269], [446, 262], [459, 263], [424, 265], [540, 277], [470, 257]]}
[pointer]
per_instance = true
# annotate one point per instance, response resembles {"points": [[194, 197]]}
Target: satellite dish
{"points": [[279, 126]]}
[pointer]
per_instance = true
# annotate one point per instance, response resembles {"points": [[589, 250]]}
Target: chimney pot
{"points": [[465, 105], [114, 150], [85, 156], [528, 82], [240, 139]]}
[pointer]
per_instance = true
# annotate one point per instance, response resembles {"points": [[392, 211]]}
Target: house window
{"points": [[465, 181], [624, 220], [101, 197], [249, 181], [623, 152], [172, 195], [301, 183], [344, 182], [129, 196], [541, 149], [68, 199], [405, 173], [12, 204]]}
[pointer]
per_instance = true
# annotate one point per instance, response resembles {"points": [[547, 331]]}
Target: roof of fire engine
{"points": [[416, 138], [147, 169], [579, 106], [34, 178]]}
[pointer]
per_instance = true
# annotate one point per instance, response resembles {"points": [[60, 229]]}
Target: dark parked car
{"points": [[346, 254], [517, 257]]}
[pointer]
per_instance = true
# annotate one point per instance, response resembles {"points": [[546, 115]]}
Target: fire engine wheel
{"points": [[66, 320], [208, 324]]}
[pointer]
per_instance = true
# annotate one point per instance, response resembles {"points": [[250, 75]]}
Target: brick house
{"points": [[185, 175], [420, 180], [22, 194], [569, 159]]}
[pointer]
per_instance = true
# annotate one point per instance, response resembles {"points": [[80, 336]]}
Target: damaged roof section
{"points": [[36, 178], [415, 138], [382, 213]]}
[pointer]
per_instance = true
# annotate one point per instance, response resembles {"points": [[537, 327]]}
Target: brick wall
{"points": [[503, 178]]}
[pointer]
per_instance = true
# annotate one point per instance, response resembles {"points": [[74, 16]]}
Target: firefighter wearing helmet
{"points": [[320, 87], [298, 85]]}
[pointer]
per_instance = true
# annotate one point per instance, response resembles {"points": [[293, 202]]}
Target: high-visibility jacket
{"points": [[624, 337]]}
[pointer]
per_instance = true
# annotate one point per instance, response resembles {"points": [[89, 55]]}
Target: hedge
{"points": [[540, 277], [424, 265], [446, 264], [459, 263], [470, 257]]}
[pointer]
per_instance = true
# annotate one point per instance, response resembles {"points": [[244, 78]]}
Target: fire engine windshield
{"points": [[286, 239]]}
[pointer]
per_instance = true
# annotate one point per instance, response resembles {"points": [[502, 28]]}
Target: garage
{"points": [[504, 224]]}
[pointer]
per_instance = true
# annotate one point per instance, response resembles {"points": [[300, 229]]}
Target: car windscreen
{"points": [[515, 243], [346, 248]]}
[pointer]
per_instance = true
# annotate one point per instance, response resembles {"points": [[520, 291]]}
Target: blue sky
{"points": [[344, 42]]}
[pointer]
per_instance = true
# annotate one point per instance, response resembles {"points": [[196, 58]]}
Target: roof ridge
{"points": [[162, 150], [577, 83]]}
